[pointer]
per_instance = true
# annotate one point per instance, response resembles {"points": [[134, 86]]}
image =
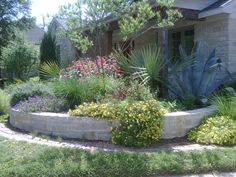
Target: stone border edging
{"points": [[175, 125], [11, 134]]}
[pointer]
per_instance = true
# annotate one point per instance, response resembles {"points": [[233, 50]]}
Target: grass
{"points": [[25, 160]]}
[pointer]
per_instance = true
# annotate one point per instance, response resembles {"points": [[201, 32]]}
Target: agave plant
{"points": [[145, 65], [49, 70], [195, 75]]}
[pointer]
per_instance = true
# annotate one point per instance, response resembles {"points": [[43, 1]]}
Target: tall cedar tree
{"points": [[48, 49]]}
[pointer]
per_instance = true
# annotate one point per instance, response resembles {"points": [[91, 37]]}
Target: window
{"points": [[189, 40], [176, 41], [184, 37]]}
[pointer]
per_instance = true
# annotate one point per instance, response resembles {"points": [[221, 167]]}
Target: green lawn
{"points": [[30, 160]]}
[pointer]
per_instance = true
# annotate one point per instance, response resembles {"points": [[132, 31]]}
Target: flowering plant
{"points": [[41, 104], [140, 121], [99, 66]]}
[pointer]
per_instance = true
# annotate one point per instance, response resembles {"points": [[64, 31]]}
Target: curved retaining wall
{"points": [[176, 124]]}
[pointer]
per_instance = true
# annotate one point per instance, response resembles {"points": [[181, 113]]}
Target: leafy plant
{"points": [[145, 65], [42, 104], [20, 59], [140, 122], [172, 105], [4, 103], [87, 89], [220, 130], [194, 75], [29, 89], [70, 90], [138, 92], [100, 66], [225, 106], [49, 70]]}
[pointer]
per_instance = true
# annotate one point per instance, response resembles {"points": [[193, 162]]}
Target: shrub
{"points": [[172, 105], [86, 67], [70, 90], [88, 89], [131, 91], [41, 104], [140, 122], [4, 103], [226, 106], [220, 130], [29, 89], [138, 92], [20, 59]]}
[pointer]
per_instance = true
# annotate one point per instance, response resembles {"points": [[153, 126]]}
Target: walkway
{"points": [[9, 133]]}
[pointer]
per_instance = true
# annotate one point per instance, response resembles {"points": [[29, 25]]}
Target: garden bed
{"points": [[176, 124]]}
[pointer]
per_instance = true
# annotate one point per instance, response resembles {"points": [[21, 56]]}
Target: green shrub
{"points": [[172, 105], [88, 89], [70, 90], [20, 59], [29, 89], [4, 103], [138, 92], [220, 130], [140, 122], [226, 106]]}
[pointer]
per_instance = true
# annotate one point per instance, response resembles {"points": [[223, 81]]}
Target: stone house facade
{"points": [[212, 22], [66, 50]]}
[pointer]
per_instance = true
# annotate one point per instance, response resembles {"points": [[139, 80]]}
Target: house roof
{"points": [[217, 4], [34, 35]]}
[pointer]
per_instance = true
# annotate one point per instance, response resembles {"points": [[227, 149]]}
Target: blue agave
{"points": [[194, 75]]}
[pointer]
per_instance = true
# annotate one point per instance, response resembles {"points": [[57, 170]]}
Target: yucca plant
{"points": [[145, 65], [49, 70], [195, 75]]}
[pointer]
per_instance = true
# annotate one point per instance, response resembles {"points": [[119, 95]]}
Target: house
{"points": [[210, 21], [34, 36], [66, 50]]}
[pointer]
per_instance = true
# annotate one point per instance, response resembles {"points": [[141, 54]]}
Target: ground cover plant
{"points": [[27, 160], [218, 129]]}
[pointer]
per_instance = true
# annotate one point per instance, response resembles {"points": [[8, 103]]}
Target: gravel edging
{"points": [[12, 134]]}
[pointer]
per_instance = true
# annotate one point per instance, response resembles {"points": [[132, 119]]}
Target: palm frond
{"points": [[50, 70]]}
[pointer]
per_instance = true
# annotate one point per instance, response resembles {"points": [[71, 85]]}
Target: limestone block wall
{"points": [[232, 43], [214, 31], [176, 124], [63, 125]]}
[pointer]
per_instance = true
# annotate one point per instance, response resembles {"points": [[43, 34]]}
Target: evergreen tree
{"points": [[48, 53], [48, 49]]}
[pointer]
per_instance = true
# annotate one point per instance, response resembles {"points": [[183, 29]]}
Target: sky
{"points": [[41, 8]]}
